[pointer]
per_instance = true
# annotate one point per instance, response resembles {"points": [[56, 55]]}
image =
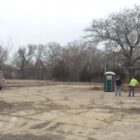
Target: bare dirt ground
{"points": [[37, 110]]}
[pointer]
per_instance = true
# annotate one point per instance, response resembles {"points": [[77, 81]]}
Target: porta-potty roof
{"points": [[109, 72]]}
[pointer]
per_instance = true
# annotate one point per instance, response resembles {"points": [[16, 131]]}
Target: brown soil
{"points": [[44, 110]]}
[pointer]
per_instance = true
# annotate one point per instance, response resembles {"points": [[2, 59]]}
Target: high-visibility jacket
{"points": [[133, 83]]}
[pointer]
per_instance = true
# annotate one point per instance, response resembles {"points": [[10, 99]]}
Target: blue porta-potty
{"points": [[109, 81]]}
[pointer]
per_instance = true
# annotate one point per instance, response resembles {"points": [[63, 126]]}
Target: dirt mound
{"points": [[30, 137], [5, 105], [96, 88]]}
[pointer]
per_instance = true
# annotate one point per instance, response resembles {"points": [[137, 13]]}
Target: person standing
{"points": [[118, 86], [133, 83]]}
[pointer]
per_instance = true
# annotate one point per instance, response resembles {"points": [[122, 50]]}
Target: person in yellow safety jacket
{"points": [[133, 83]]}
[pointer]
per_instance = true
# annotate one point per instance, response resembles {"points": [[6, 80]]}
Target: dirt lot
{"points": [[37, 110]]}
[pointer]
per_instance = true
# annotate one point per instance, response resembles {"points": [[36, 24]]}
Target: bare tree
{"points": [[74, 59], [3, 56], [40, 65], [23, 58], [121, 33], [53, 56], [54, 52]]}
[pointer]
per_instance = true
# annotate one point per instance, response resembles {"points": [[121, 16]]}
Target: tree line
{"points": [[110, 44], [77, 61]]}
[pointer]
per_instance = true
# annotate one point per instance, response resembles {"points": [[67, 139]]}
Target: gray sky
{"points": [[25, 22]]}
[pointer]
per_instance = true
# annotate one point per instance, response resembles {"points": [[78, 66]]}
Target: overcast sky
{"points": [[25, 22]]}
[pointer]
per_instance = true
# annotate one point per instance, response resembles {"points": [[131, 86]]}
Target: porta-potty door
{"points": [[109, 83]]}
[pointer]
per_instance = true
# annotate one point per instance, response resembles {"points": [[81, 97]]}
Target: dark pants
{"points": [[0, 87], [131, 91]]}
